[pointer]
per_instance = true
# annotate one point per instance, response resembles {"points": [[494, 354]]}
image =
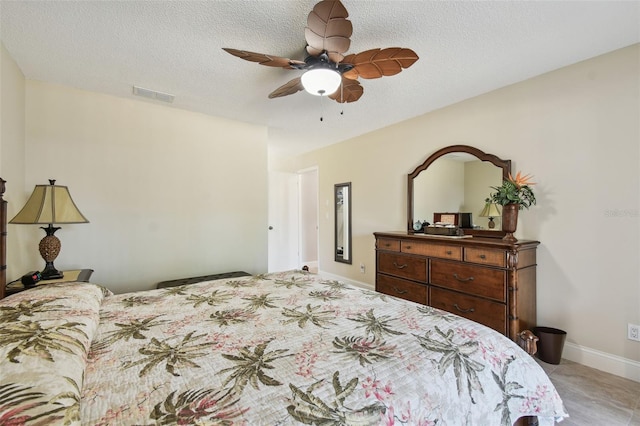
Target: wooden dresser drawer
{"points": [[485, 312], [401, 288], [466, 276], [486, 256], [388, 244], [432, 250], [403, 266], [471, 279]]}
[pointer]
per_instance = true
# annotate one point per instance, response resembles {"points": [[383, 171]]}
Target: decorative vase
{"points": [[510, 221]]}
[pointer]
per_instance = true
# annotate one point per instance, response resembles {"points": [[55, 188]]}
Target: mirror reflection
{"points": [[456, 182], [457, 179], [342, 193]]}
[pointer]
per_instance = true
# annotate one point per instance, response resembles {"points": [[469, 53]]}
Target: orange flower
{"points": [[521, 180]]}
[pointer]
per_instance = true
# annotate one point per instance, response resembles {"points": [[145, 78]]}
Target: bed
{"points": [[283, 348]]}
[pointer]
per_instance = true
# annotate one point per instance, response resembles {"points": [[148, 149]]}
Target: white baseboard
{"points": [[623, 367]]}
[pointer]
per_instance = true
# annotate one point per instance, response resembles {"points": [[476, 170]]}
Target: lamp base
{"points": [[50, 272], [492, 224], [49, 249]]}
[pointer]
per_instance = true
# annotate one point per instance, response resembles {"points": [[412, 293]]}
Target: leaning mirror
{"points": [[342, 192], [456, 179]]}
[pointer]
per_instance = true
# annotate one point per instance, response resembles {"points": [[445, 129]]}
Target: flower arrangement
{"points": [[514, 191]]}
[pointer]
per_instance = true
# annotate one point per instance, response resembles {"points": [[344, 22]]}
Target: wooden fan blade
{"points": [[376, 63], [262, 59], [350, 91], [328, 29], [288, 88]]}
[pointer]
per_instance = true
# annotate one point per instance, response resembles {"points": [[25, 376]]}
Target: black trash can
{"points": [[550, 344]]}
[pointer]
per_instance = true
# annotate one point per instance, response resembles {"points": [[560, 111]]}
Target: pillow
{"points": [[45, 335]]}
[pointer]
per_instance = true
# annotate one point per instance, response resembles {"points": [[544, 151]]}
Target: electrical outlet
{"points": [[633, 332], [362, 271]]}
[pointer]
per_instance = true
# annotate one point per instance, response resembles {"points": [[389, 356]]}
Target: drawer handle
{"points": [[464, 280], [397, 290], [482, 256], [400, 266], [387, 245], [464, 311], [449, 252], [408, 247]]}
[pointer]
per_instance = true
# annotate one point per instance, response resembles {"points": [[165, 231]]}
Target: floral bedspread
{"points": [[278, 349]]}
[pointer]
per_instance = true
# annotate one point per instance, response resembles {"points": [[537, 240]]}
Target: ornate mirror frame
{"points": [[342, 206], [505, 165]]}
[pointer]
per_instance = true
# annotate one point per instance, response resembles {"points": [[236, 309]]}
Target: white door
{"points": [[283, 222]]}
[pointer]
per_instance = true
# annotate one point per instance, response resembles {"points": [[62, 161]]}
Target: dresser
{"points": [[483, 279]]}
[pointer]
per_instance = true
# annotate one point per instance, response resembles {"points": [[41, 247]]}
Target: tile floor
{"points": [[593, 397]]}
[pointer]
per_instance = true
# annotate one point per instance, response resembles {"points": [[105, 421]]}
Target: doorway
{"points": [[308, 209], [293, 220]]}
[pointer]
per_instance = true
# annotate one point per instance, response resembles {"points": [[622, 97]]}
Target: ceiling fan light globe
{"points": [[321, 82]]}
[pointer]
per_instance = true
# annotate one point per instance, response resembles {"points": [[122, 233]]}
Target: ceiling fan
{"points": [[326, 67]]}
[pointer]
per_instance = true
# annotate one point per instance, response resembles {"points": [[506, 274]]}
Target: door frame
{"points": [[303, 228]]}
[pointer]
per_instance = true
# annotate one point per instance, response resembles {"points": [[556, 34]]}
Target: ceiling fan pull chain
{"points": [[342, 97], [321, 105]]}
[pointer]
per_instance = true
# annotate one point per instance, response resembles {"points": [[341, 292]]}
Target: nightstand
{"points": [[81, 275]]}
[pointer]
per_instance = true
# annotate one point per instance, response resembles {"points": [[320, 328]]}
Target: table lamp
{"points": [[490, 210], [49, 204]]}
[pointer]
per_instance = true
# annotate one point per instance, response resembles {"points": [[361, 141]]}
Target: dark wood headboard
{"points": [[3, 240]]}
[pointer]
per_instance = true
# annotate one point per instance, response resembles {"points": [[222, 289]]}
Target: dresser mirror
{"points": [[342, 246], [456, 179]]}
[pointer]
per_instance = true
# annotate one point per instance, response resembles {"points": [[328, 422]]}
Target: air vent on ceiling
{"points": [[152, 94]]}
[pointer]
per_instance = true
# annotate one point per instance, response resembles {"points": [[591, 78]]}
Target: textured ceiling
{"points": [[466, 48]]}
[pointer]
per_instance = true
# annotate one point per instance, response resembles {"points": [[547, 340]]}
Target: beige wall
{"points": [[169, 193], [12, 162], [577, 130]]}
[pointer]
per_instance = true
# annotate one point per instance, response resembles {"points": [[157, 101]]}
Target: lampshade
{"points": [[49, 204], [321, 81], [490, 210]]}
